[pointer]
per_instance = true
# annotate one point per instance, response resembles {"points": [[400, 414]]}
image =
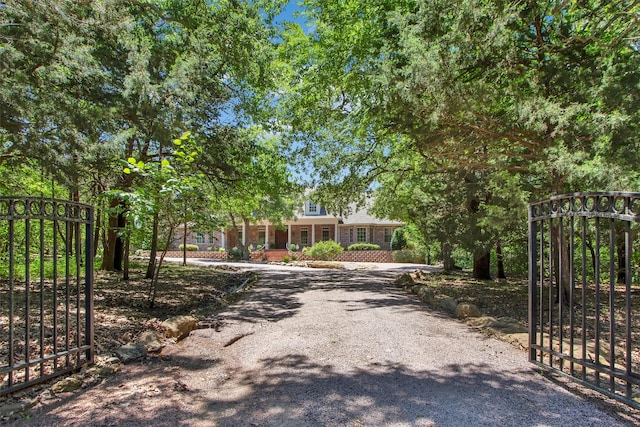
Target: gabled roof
{"points": [[363, 217]]}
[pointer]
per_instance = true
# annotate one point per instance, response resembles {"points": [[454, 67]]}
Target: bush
{"points": [[293, 247], [324, 251], [285, 259], [364, 247], [408, 255], [398, 240], [222, 250], [235, 254], [190, 247]]}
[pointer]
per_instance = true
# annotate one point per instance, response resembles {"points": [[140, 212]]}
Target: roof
{"points": [[363, 216]]}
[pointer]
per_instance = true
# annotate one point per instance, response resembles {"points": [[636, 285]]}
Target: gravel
{"points": [[311, 347], [348, 348]]}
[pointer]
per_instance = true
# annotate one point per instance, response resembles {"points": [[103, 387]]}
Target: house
{"points": [[312, 224]]}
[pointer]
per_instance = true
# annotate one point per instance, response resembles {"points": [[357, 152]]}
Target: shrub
{"points": [[293, 247], [294, 258], [235, 254], [222, 250], [364, 247], [398, 240], [285, 259], [408, 255], [324, 251], [190, 247]]}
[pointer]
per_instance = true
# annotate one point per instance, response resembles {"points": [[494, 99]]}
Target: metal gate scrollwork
{"points": [[584, 290]]}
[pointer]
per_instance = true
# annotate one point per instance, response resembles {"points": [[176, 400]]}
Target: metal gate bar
{"points": [[46, 312], [592, 334]]}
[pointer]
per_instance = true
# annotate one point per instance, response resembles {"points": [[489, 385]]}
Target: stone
{"points": [[405, 280], [425, 294], [465, 310], [179, 326], [132, 351], [151, 341], [449, 305], [67, 385]]}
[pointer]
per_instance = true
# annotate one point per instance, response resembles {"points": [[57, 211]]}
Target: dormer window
{"points": [[313, 208]]}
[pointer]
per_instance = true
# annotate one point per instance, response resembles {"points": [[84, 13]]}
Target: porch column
{"points": [[313, 234], [223, 243], [336, 236], [266, 236], [288, 236]]}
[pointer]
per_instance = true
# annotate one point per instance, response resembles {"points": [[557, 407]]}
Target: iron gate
{"points": [[46, 289], [584, 293]]}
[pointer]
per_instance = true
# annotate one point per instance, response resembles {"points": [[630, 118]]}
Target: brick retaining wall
{"points": [[278, 255]]}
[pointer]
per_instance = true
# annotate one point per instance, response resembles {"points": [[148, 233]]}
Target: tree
{"points": [[472, 89]]}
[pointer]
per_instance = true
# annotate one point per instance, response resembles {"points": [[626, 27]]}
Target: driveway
{"points": [[310, 347]]}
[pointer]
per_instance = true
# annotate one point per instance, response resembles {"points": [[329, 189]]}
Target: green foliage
{"points": [[407, 256], [293, 247], [285, 259], [235, 254], [398, 240], [190, 247], [363, 247], [324, 251]]}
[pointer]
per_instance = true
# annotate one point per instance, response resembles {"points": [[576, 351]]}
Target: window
{"points": [[361, 234], [199, 238], [212, 238], [350, 235], [304, 236], [313, 208], [325, 233], [387, 235], [239, 236], [261, 237]]}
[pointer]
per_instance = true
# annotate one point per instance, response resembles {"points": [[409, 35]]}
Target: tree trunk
{"points": [[109, 252], [500, 260], [127, 244], [447, 259], [153, 290], [245, 247], [96, 232], [154, 249], [184, 244], [482, 265]]}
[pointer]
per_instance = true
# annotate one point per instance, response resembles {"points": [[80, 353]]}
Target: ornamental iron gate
{"points": [[584, 290], [46, 289]]}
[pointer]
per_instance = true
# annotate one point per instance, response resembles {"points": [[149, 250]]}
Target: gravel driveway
{"points": [[309, 347]]}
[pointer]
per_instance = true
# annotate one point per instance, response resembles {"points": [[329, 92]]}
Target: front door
{"points": [[282, 237]]}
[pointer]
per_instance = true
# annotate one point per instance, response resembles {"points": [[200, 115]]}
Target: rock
{"points": [[405, 281], [132, 351], [151, 341], [425, 294], [449, 305], [464, 310], [179, 326], [67, 385], [419, 276]]}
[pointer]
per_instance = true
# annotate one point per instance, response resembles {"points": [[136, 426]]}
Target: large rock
{"points": [[406, 280], [464, 310], [67, 385], [449, 305], [132, 351], [179, 326], [425, 294], [151, 341]]}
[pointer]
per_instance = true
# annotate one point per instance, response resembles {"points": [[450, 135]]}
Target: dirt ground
{"points": [[207, 379]]}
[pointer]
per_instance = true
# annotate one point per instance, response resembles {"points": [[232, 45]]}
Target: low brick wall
{"points": [[193, 254], [278, 255]]}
